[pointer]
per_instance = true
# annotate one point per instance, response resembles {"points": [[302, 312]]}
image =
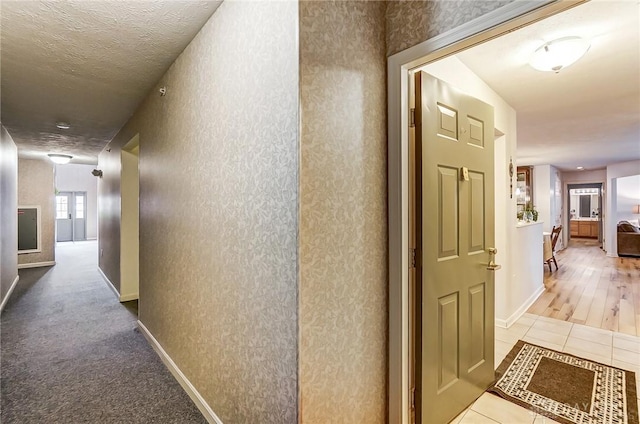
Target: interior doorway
{"points": [[400, 119], [129, 220], [585, 211], [71, 223]]}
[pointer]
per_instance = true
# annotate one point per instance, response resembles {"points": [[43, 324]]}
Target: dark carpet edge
{"points": [[630, 385]]}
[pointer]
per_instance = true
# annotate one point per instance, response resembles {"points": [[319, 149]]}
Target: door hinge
{"points": [[413, 398], [412, 118], [413, 258]]}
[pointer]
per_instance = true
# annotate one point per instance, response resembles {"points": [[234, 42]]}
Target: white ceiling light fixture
{"points": [[558, 54], [63, 125], [580, 168], [59, 159]]}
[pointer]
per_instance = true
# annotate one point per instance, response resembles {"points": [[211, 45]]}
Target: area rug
{"points": [[566, 388]]}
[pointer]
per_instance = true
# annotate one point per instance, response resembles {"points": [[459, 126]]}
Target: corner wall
{"points": [[343, 213], [36, 188], [613, 172], [218, 211], [8, 214]]}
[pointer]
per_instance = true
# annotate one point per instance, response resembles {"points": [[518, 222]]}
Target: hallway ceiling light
{"points": [[63, 125], [59, 159], [580, 168], [558, 54]]}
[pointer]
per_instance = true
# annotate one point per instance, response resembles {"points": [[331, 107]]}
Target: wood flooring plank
{"points": [[592, 289]]}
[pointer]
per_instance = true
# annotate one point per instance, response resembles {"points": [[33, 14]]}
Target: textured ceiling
{"points": [[88, 63], [589, 113]]}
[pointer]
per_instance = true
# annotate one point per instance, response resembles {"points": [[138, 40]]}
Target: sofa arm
{"points": [[629, 244]]}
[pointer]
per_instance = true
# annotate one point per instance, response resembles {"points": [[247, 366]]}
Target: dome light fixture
{"points": [[59, 159], [63, 125], [558, 54]]}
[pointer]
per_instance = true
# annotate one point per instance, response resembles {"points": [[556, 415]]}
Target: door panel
{"points": [[476, 328], [79, 216], [64, 220], [476, 212], [454, 220], [448, 213], [448, 331]]}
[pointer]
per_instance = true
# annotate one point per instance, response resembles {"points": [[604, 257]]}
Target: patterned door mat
{"points": [[566, 388]]}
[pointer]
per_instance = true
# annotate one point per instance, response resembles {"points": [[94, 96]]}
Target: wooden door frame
{"points": [[494, 24]]}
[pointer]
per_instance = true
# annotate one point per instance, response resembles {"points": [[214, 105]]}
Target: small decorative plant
{"points": [[531, 212]]}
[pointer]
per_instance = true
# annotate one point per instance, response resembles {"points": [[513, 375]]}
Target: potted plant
{"points": [[530, 213]]}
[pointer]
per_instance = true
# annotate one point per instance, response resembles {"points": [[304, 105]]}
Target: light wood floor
{"points": [[592, 289]]}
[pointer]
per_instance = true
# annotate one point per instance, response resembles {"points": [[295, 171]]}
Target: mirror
{"points": [[584, 203]]}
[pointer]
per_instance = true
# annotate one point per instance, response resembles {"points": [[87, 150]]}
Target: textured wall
{"points": [[218, 211], [36, 188], [411, 22], [8, 212], [109, 215], [74, 177], [343, 222]]}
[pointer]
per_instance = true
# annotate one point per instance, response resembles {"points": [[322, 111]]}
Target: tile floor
{"points": [[607, 347]]}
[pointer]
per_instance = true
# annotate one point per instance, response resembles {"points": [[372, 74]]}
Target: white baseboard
{"points": [[128, 297], [6, 297], [506, 323], [36, 264], [91, 238], [202, 405], [109, 283]]}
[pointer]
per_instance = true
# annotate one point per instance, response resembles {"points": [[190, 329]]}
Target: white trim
{"points": [[193, 393], [6, 297], [521, 310], [496, 23], [109, 283], [90, 239], [38, 248], [36, 264], [128, 297]]}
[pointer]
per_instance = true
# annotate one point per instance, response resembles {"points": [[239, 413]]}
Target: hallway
{"points": [[71, 353], [592, 289]]}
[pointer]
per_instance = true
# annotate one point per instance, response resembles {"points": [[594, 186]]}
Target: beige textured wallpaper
{"points": [[8, 212], [218, 211], [109, 215], [36, 187], [343, 221], [410, 22]]}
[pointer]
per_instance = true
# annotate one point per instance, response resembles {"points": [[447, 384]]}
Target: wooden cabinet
{"points": [[574, 228], [587, 229]]}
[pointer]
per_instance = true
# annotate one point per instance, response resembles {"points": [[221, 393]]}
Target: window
{"points": [[62, 207]]}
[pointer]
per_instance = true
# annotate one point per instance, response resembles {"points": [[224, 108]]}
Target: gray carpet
{"points": [[71, 353]]}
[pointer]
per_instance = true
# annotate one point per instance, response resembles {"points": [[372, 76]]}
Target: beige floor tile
{"points": [[626, 366], [544, 343], [594, 348], [548, 336], [502, 410], [552, 325], [526, 319], [592, 334], [586, 354], [532, 316], [626, 356], [541, 419], [626, 343], [472, 417], [511, 334], [457, 419]]}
